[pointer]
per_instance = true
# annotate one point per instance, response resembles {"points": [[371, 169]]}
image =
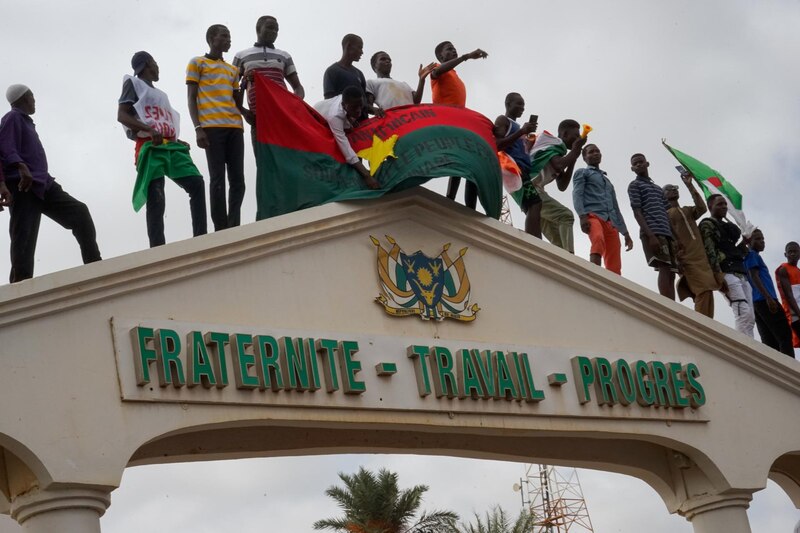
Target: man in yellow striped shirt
{"points": [[213, 90]]}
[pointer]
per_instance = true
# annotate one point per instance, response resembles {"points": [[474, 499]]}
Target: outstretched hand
{"points": [[477, 54], [425, 71]]}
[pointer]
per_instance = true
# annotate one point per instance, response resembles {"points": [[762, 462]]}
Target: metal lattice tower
{"points": [[505, 212], [555, 498]]}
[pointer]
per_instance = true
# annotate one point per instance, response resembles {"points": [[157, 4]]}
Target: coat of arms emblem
{"points": [[434, 288]]}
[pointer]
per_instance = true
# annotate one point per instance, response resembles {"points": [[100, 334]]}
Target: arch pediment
{"points": [[125, 356]]}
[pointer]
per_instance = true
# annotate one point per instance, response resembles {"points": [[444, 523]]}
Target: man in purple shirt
{"points": [[33, 190]]}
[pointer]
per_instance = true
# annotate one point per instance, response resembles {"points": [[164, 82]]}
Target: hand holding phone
{"points": [[535, 121]]}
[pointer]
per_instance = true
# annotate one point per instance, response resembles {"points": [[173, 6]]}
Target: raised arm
{"points": [[423, 73], [700, 207], [453, 63], [564, 165]]}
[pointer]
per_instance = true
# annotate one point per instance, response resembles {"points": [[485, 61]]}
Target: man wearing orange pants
{"points": [[596, 205]]}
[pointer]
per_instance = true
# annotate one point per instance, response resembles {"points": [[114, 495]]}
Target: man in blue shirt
{"points": [[34, 191], [770, 318], [596, 204]]}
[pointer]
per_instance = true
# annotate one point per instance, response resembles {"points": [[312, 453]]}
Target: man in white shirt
{"points": [[342, 113], [388, 93]]}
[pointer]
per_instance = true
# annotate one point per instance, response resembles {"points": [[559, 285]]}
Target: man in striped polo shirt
{"points": [[650, 210], [263, 58], [213, 87]]}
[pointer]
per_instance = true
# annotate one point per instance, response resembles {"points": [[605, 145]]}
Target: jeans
{"points": [[740, 296], [156, 205], [23, 228], [225, 150]]}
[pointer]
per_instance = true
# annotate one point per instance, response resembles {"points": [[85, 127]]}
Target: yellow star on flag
{"points": [[378, 152]]}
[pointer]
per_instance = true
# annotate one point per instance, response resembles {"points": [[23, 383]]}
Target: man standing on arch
{"points": [[33, 190], [263, 58], [214, 99], [148, 118], [344, 74], [596, 205], [726, 254], [697, 279]]}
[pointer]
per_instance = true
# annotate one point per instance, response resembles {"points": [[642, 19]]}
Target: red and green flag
{"points": [[300, 164], [712, 182]]}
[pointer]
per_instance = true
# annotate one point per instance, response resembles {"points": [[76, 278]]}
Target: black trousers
{"points": [[774, 328], [26, 214], [225, 150], [156, 205], [470, 191]]}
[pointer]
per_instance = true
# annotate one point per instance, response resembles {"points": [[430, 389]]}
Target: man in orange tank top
{"points": [[447, 88]]}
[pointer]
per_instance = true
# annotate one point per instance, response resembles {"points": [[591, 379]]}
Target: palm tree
{"points": [[375, 504], [497, 521]]}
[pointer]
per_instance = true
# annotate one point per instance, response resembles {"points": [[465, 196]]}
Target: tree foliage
{"points": [[375, 504], [497, 521]]}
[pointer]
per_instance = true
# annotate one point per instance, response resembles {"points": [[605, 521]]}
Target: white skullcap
{"points": [[15, 92]]}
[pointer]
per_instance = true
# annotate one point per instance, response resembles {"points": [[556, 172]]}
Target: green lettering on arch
{"points": [[625, 382], [645, 393], [505, 381], [269, 367], [583, 372], [199, 367], [607, 393], [470, 384], [661, 384], [295, 364], [168, 350], [444, 381]]}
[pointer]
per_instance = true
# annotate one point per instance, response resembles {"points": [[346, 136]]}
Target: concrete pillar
{"points": [[721, 513], [61, 510]]}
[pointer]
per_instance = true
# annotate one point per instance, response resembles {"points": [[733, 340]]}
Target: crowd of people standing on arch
{"points": [[711, 255]]}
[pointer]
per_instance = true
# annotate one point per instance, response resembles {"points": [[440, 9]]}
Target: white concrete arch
{"points": [[267, 340]]}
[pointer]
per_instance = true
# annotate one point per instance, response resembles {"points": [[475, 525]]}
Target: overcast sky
{"points": [[719, 80]]}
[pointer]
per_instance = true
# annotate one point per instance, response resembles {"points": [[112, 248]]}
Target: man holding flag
{"points": [[720, 236]]}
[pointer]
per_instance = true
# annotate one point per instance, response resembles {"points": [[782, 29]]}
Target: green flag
{"points": [[712, 182]]}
